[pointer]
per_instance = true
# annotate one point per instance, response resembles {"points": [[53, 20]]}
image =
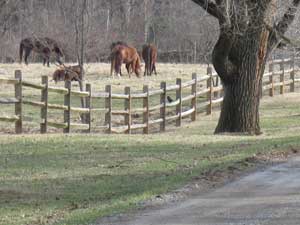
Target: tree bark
{"points": [[243, 86]]}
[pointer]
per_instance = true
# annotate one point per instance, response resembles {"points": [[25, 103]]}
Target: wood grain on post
{"points": [[88, 105], [163, 103], [44, 110], [179, 106], [271, 79], [67, 102], [18, 105], [282, 77], [146, 112], [292, 75], [209, 94], [217, 93], [128, 118], [108, 106], [194, 100]]}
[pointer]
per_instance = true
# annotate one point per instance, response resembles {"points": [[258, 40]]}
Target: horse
{"points": [[112, 46], [43, 46], [149, 54], [70, 73], [125, 54]]}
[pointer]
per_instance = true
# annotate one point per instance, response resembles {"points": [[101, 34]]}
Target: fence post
{"points": [[44, 110], [217, 93], [163, 103], [292, 75], [271, 79], [146, 108], [18, 105], [210, 93], [128, 109], [194, 100], [179, 106], [67, 102], [282, 77], [108, 106], [88, 105]]}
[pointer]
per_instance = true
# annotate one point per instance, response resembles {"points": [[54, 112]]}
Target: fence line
{"points": [[207, 87]]}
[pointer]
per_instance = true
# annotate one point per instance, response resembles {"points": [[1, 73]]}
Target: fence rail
{"points": [[201, 93]]}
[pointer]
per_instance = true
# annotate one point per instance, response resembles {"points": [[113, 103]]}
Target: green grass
{"points": [[75, 179]]}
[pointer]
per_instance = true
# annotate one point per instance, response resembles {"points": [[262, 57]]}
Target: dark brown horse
{"points": [[43, 46], [149, 54], [128, 55], [67, 73]]}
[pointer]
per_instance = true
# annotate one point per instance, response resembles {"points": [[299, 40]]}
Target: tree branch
{"points": [[212, 9], [278, 31], [288, 17]]}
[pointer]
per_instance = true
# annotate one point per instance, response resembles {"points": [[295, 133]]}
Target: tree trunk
{"points": [[243, 87]]}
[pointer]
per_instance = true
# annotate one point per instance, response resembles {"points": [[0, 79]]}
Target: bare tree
{"points": [[249, 31]]}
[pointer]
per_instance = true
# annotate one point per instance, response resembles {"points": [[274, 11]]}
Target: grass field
{"points": [[98, 76], [75, 179]]}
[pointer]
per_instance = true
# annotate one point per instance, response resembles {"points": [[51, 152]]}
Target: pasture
{"points": [[75, 179], [98, 76]]}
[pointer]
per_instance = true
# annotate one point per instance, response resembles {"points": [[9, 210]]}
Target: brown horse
{"points": [[70, 73], [43, 46], [149, 54], [128, 55], [120, 43]]}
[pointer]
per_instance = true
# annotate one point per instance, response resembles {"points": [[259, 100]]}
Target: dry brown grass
{"points": [[98, 74]]}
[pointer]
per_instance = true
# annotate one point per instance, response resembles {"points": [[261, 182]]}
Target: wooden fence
{"points": [[200, 94]]}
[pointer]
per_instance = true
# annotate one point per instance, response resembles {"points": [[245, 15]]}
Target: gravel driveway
{"points": [[271, 197]]}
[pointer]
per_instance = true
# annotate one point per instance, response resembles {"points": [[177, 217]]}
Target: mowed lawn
{"points": [[75, 179]]}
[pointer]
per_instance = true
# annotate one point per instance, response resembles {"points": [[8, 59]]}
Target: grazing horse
{"points": [[114, 44], [128, 55], [43, 46], [120, 43], [70, 73], [149, 54]]}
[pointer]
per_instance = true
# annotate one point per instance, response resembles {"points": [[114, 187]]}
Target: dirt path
{"points": [[271, 197]]}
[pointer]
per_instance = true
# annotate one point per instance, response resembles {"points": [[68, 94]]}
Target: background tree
{"points": [[164, 22], [249, 31]]}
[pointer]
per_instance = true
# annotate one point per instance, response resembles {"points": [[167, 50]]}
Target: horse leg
{"points": [[149, 68], [128, 68], [118, 67], [46, 61], [154, 68], [27, 53], [112, 66]]}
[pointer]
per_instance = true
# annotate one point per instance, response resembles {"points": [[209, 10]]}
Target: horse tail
{"points": [[150, 60], [138, 65], [21, 51]]}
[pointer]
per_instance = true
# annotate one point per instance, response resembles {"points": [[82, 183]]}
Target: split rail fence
{"points": [[204, 93]]}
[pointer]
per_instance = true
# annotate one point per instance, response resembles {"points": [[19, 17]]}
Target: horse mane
{"points": [[121, 43]]}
